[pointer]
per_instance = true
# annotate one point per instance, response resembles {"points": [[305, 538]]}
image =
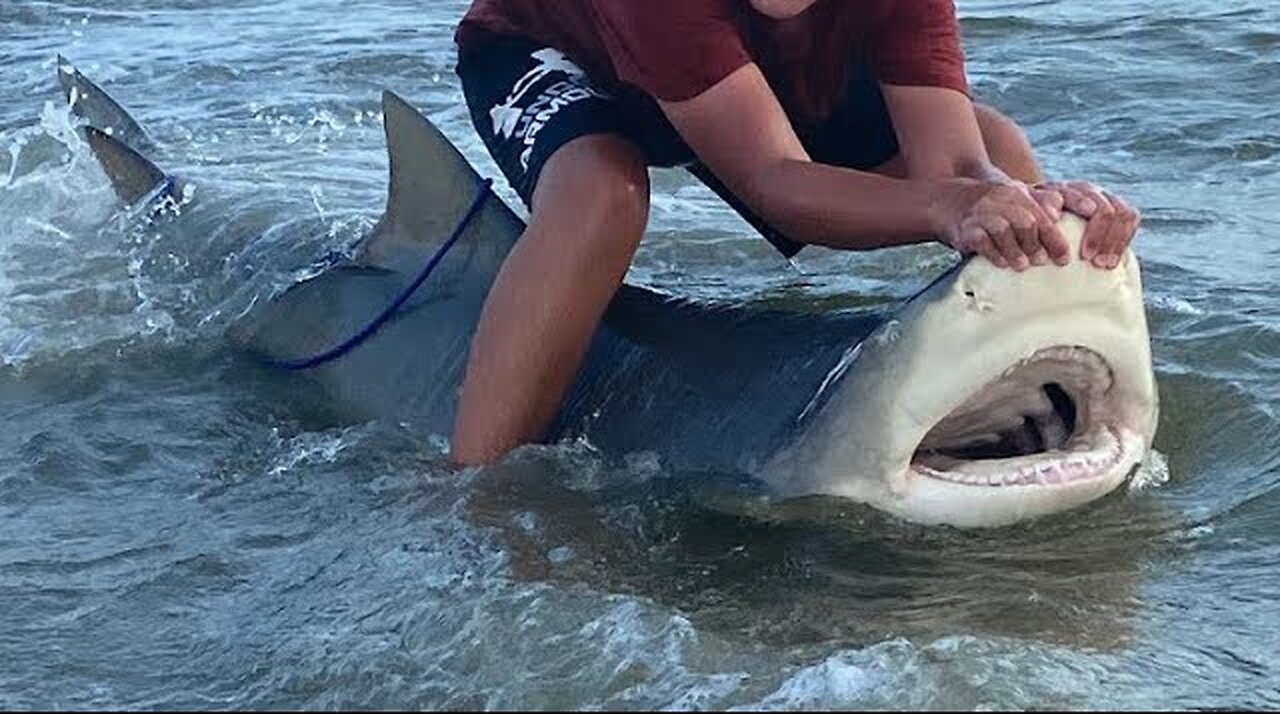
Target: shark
{"points": [[989, 398]]}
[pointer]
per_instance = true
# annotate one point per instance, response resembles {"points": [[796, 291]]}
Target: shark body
{"points": [[988, 398]]}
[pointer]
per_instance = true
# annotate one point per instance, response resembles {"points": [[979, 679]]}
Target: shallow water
{"points": [[176, 530]]}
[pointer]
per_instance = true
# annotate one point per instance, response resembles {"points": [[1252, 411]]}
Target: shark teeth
{"points": [[1088, 457]]}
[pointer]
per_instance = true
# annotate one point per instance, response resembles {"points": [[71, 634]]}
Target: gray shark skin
{"points": [[99, 109], [132, 176], [987, 399]]}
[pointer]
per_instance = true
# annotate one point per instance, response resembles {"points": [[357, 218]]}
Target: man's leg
{"points": [[589, 212]]}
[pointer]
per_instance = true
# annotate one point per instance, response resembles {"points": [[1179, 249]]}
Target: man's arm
{"points": [[739, 130], [938, 133], [939, 137]]}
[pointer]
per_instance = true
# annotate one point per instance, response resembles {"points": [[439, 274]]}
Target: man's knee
{"points": [[599, 180], [621, 196]]}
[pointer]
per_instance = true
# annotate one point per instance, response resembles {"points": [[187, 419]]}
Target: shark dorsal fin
{"points": [[89, 102], [132, 175], [430, 188]]}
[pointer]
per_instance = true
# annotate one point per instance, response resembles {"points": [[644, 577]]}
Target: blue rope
{"points": [[482, 192]]}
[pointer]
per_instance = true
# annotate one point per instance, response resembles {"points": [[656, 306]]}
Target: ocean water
{"points": [[176, 532]]}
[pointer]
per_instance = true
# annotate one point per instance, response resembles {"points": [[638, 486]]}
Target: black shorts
{"points": [[527, 100]]}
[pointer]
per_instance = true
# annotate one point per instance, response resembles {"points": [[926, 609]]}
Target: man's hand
{"points": [[1112, 222], [1002, 221]]}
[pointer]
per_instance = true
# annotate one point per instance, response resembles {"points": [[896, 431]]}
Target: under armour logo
{"points": [[506, 116]]}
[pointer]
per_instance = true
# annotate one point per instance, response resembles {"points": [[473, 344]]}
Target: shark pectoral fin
{"points": [[132, 176], [431, 186], [90, 103]]}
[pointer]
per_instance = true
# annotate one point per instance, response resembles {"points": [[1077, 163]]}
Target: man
{"points": [[831, 122]]}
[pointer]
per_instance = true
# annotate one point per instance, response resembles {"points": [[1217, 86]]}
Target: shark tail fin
{"points": [[89, 102], [430, 188], [132, 175]]}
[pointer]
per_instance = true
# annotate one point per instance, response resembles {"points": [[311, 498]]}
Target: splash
{"points": [[311, 448], [64, 284], [832, 682], [1153, 473], [1173, 304]]}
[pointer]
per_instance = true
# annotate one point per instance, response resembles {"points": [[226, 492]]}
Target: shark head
{"points": [[992, 397]]}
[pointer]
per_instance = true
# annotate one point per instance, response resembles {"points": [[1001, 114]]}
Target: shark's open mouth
{"points": [[1047, 421]]}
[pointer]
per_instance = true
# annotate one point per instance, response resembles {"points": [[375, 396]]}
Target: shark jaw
{"points": [[1049, 434], [1047, 421], [1046, 435]]}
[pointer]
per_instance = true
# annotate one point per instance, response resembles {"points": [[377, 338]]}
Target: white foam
{"points": [[561, 554], [53, 201], [527, 522], [312, 448], [1173, 304], [1153, 473], [832, 682]]}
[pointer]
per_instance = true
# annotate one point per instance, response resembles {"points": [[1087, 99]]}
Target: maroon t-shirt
{"points": [[675, 49]]}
